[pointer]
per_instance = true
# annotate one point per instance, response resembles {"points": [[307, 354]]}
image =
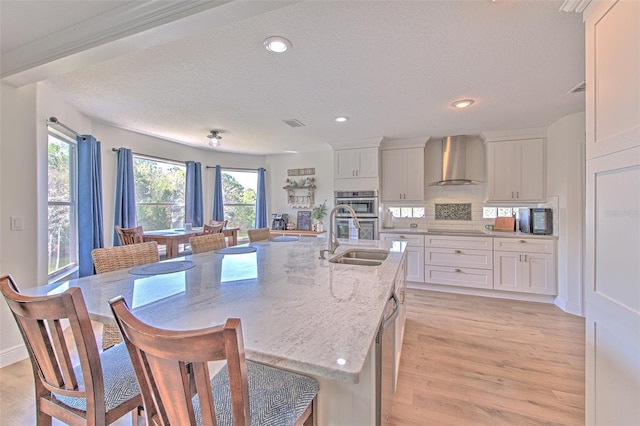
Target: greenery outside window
{"points": [[409, 212], [160, 193], [240, 189], [62, 238]]}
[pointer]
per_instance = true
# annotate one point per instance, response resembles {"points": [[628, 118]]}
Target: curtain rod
{"points": [[54, 121], [168, 160], [233, 168]]}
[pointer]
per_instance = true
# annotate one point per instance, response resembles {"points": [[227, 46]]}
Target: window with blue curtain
{"points": [[125, 210], [193, 195]]}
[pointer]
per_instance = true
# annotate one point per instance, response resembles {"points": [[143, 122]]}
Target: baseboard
{"points": [[13, 355], [539, 298], [570, 308]]}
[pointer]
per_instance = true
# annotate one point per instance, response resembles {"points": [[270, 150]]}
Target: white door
{"points": [[612, 266]]}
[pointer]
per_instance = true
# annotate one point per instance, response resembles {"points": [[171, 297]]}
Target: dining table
{"points": [[298, 312], [172, 238]]}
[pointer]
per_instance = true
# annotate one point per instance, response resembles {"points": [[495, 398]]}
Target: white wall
{"points": [[565, 179], [277, 166]]}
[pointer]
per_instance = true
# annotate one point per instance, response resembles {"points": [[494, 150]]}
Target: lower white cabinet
{"points": [[415, 254], [525, 265], [459, 261], [401, 292]]}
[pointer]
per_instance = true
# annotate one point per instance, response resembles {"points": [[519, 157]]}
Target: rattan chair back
{"points": [[114, 258], [208, 242], [259, 234]]}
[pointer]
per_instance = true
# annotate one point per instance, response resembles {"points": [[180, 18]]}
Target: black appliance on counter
{"points": [[536, 221], [279, 221]]}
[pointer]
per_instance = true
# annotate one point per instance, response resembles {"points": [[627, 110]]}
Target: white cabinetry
{"points": [[612, 293], [459, 261], [415, 254], [524, 265], [403, 174], [515, 167], [356, 163], [401, 292]]}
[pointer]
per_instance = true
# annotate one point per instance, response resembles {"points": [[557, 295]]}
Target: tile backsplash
{"points": [[453, 211]]}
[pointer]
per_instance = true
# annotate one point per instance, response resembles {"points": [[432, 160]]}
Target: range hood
{"points": [[454, 162]]}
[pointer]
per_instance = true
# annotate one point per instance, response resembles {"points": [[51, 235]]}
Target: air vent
{"points": [[581, 87], [294, 123]]}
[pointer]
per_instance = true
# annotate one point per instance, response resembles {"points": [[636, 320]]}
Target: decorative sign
{"points": [[304, 220], [301, 172]]}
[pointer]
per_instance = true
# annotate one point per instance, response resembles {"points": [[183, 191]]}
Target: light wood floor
{"points": [[466, 361], [470, 360]]}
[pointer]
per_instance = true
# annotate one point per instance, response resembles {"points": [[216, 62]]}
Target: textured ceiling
{"points": [[393, 67]]}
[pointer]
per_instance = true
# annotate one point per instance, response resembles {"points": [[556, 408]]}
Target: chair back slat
{"points": [[113, 258], [211, 229], [209, 242], [130, 235], [259, 234], [160, 358]]}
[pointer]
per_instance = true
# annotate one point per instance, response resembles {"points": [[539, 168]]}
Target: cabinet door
{"points": [[501, 170], [345, 161], [507, 271], [531, 173], [414, 172], [538, 273], [367, 163], [415, 264], [401, 292], [393, 175]]}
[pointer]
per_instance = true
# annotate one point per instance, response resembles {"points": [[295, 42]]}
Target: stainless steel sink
{"points": [[361, 257]]}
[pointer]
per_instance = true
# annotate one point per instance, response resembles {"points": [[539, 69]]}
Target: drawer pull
{"points": [[458, 270], [457, 252], [522, 241]]}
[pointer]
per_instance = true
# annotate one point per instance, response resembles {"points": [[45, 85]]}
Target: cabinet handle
{"points": [[519, 258], [402, 296], [458, 270], [511, 194], [523, 241], [517, 194], [457, 252], [402, 236], [525, 257]]}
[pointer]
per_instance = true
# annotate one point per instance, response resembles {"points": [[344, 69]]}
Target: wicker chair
{"points": [[129, 235], [212, 229], [114, 258], [259, 234], [160, 357], [208, 242], [100, 389]]}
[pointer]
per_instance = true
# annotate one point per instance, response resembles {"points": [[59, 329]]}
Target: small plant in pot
{"points": [[318, 213]]}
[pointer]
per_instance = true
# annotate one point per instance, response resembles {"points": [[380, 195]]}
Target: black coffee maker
{"points": [[279, 221]]}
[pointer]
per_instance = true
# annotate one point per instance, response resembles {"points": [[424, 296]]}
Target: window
{"points": [[411, 212], [62, 212], [160, 192], [493, 212], [240, 189]]}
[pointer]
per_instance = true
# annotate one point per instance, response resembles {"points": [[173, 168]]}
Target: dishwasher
{"points": [[385, 350]]}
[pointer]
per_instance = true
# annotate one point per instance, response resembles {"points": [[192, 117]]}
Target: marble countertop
{"points": [[463, 233], [298, 312]]}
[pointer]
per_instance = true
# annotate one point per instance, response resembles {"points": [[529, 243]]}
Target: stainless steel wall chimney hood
{"points": [[454, 162]]}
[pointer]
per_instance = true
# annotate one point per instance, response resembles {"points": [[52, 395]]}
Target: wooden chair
{"points": [[219, 223], [130, 235], [160, 356], [211, 229], [259, 234], [98, 391], [114, 258], [208, 242]]}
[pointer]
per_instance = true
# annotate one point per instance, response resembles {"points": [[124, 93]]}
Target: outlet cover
{"points": [[17, 223]]}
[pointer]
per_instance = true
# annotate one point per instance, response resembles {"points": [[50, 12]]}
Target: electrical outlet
{"points": [[17, 223]]}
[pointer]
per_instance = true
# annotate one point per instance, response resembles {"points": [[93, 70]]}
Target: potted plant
{"points": [[318, 213]]}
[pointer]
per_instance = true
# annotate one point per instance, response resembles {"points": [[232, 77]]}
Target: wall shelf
{"points": [[298, 199]]}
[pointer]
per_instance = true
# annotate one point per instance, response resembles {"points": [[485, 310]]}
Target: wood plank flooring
{"points": [[466, 361], [470, 360]]}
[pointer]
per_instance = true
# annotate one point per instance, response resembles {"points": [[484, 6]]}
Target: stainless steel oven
{"points": [[346, 229], [364, 203]]}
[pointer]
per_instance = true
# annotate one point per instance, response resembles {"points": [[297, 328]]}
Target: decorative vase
{"points": [[320, 226]]}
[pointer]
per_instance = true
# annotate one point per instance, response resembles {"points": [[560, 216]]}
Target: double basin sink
{"points": [[361, 257]]}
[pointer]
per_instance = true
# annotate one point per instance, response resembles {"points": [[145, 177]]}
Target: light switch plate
{"points": [[17, 223]]}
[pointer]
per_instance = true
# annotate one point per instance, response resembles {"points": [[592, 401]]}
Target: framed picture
{"points": [[304, 220]]}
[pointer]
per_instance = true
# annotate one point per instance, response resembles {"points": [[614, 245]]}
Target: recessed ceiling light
{"points": [[462, 103], [277, 44], [291, 152], [341, 119]]}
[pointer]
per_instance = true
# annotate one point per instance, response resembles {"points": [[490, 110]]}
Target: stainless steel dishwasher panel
{"points": [[385, 352]]}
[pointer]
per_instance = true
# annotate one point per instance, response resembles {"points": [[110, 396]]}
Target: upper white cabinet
{"points": [[403, 174], [515, 166], [356, 163]]}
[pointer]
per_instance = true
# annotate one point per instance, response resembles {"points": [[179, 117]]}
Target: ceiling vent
{"points": [[581, 87], [294, 123]]}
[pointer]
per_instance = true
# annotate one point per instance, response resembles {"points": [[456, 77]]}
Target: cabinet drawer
{"points": [[458, 258], [531, 245], [461, 277], [412, 240], [472, 243]]}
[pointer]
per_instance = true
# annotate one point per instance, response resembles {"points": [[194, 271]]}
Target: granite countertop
{"points": [[463, 233], [298, 312]]}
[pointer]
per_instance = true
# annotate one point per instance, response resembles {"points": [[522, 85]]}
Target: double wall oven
{"points": [[365, 204]]}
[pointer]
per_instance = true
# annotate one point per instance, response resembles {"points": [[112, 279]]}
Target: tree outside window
{"points": [[62, 239], [240, 189], [160, 193]]}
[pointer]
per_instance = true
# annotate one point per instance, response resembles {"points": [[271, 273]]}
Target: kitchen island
{"points": [[298, 312]]}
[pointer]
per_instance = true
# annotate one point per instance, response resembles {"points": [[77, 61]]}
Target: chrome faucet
{"points": [[333, 239]]}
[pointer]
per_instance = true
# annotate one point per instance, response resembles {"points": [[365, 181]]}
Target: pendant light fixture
{"points": [[214, 138]]}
